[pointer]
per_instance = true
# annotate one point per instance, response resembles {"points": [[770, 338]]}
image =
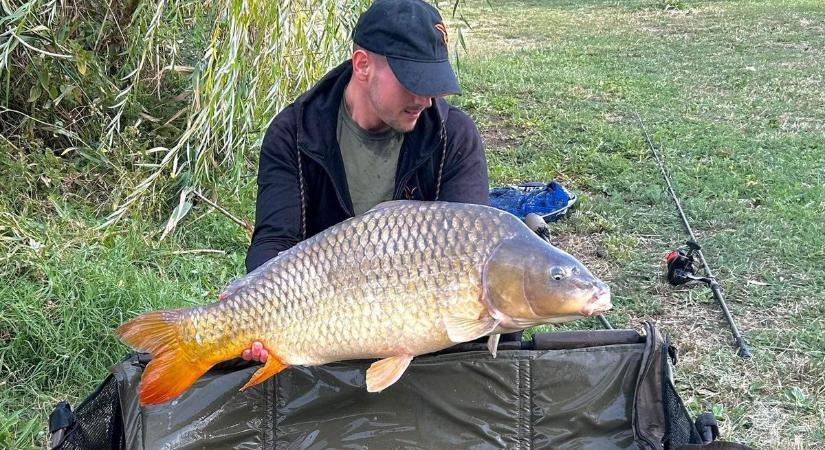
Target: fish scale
{"points": [[405, 278]]}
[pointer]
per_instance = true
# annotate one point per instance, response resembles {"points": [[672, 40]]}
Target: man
{"points": [[375, 128]]}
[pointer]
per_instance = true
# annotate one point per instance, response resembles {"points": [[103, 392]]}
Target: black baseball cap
{"points": [[413, 37]]}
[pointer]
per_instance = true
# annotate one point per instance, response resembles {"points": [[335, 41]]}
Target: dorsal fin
{"points": [[233, 287]]}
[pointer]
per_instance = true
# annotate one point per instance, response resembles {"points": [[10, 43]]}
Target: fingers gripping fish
{"points": [[404, 279]]}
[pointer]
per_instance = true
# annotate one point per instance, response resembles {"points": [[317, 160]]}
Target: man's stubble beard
{"points": [[387, 117]]}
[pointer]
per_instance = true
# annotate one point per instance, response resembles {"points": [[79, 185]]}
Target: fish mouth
{"points": [[599, 303]]}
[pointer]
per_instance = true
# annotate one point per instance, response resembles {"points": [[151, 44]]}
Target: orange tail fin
{"points": [[172, 370]]}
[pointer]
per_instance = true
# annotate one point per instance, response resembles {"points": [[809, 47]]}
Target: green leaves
{"points": [[180, 211]]}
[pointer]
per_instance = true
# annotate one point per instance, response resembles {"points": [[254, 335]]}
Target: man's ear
{"points": [[361, 64]]}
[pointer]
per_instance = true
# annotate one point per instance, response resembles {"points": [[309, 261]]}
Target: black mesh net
{"points": [[98, 421], [680, 428]]}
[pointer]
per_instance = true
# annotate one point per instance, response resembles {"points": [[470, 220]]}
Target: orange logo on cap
{"points": [[441, 27]]}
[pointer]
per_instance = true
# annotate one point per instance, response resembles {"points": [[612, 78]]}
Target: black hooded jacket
{"points": [[302, 186]]}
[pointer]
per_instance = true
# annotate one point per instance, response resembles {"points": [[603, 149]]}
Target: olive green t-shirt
{"points": [[370, 161]]}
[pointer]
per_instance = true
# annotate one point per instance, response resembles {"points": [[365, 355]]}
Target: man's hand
{"points": [[255, 353]]}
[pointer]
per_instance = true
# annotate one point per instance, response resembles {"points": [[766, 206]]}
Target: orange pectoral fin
{"points": [[273, 365], [462, 329]]}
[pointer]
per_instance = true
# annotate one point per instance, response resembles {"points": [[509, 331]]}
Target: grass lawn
{"points": [[732, 93]]}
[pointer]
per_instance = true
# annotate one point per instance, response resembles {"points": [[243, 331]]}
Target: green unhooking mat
{"points": [[595, 390]]}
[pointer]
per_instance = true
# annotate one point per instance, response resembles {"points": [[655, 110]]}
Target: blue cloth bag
{"points": [[549, 200]]}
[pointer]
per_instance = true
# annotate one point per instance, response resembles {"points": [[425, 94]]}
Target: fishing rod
{"points": [[680, 262], [539, 226]]}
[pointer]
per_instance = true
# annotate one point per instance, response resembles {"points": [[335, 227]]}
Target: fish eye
{"points": [[557, 273]]}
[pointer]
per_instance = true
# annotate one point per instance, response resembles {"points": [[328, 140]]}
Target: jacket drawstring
{"points": [[303, 202], [443, 158]]}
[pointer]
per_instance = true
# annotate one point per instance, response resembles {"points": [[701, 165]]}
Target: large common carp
{"points": [[403, 279]]}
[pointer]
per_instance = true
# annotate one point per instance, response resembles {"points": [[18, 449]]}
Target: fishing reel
{"points": [[680, 265]]}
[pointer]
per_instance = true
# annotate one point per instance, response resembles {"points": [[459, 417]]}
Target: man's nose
{"points": [[424, 102]]}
